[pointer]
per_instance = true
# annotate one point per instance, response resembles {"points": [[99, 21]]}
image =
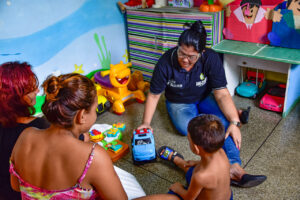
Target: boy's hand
{"points": [[176, 187], [191, 163], [145, 126]]}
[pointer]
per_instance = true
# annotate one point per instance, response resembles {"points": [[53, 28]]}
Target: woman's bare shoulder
{"points": [[28, 135], [101, 159]]}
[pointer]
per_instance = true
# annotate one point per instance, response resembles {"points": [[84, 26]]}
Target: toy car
{"points": [[254, 84], [274, 98], [143, 146], [103, 105]]}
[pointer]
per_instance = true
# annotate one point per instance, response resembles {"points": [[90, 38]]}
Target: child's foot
{"points": [[170, 154]]}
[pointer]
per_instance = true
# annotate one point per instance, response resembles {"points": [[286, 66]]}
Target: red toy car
{"points": [[274, 98]]}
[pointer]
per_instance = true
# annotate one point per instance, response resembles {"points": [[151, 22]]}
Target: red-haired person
{"points": [[18, 90]]}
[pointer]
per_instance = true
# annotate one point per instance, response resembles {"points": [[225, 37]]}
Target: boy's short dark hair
{"points": [[208, 132]]}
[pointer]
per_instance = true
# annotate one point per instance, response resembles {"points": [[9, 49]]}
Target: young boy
{"points": [[208, 178]]}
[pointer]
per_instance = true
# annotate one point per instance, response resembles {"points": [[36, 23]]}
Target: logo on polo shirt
{"points": [[202, 77], [172, 83], [202, 82]]}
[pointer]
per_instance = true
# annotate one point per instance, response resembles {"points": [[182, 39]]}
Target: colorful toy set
{"points": [[109, 137], [113, 85], [253, 85], [143, 146], [120, 126]]}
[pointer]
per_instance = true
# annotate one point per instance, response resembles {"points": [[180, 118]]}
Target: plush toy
{"points": [[136, 4], [286, 25], [137, 82]]}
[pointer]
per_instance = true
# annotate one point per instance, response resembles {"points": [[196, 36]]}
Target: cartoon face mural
{"points": [[249, 13], [294, 5], [250, 9]]}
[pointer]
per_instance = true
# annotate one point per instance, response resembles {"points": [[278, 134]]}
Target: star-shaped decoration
{"points": [[78, 69]]}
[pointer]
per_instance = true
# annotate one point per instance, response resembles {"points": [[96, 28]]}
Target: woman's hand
{"points": [[227, 106], [236, 135]]}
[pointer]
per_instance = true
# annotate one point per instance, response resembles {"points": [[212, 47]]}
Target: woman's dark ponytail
{"points": [[198, 26], [194, 35]]}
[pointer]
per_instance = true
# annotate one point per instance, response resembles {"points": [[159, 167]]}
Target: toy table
{"points": [[110, 139], [260, 56], [116, 156]]}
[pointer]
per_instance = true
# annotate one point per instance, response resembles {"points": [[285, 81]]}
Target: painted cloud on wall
{"points": [[61, 38]]}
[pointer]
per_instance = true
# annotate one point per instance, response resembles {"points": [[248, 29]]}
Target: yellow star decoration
{"points": [[78, 69], [126, 56]]}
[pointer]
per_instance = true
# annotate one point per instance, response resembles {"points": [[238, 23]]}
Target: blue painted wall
{"points": [[293, 92], [62, 36]]}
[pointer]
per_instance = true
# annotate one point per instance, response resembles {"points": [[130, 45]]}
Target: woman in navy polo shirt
{"points": [[194, 82]]}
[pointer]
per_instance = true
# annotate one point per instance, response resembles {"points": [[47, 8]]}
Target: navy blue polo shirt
{"points": [[181, 86]]}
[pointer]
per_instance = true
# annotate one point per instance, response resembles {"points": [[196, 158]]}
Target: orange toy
{"points": [[114, 83], [210, 6]]}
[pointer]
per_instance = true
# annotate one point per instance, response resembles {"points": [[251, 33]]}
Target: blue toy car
{"points": [[254, 84], [143, 146]]}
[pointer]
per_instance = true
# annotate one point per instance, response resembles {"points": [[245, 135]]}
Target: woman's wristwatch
{"points": [[237, 123]]}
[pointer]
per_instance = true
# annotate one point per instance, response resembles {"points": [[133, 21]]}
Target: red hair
{"points": [[16, 80]]}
